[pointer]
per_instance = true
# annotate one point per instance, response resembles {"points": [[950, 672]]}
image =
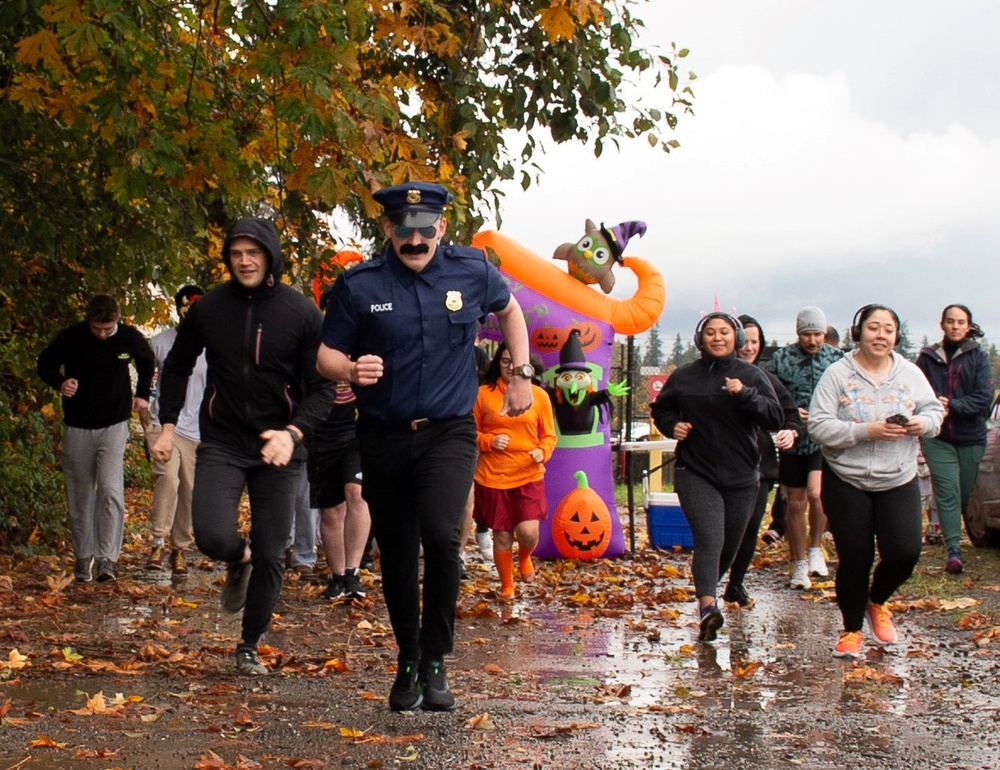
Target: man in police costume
{"points": [[400, 328]]}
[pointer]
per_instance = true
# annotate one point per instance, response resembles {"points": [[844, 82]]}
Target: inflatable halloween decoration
{"points": [[576, 402], [581, 525], [571, 327], [331, 268], [592, 257]]}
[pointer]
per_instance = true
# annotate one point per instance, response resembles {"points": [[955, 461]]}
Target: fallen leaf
{"points": [[958, 604], [480, 722], [15, 660], [747, 671], [92, 754], [45, 742]]}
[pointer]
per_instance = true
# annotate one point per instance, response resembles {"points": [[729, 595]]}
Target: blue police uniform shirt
{"points": [[422, 325]]}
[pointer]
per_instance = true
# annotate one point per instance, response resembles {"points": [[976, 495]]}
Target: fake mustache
{"points": [[414, 248]]}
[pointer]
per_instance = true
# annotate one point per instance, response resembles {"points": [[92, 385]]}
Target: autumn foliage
{"points": [[134, 133]]}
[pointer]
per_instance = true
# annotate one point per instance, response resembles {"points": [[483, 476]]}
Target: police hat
{"points": [[414, 204]]}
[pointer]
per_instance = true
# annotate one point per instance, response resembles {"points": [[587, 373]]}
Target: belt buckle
{"points": [[419, 424]]}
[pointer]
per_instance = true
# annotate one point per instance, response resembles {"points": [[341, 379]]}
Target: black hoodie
{"points": [[722, 444], [260, 345]]}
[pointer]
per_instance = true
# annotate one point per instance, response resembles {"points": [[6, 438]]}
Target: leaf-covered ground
{"points": [[593, 665]]}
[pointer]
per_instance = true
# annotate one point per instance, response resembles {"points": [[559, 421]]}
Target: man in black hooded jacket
{"points": [[262, 396]]}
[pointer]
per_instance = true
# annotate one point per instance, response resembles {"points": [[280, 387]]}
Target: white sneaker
{"points": [[817, 564], [484, 541], [800, 576]]}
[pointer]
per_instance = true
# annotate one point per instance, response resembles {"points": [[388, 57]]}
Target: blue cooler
{"points": [[665, 522]]}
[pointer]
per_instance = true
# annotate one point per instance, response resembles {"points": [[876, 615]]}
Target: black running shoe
{"points": [[105, 570], [437, 694], [353, 586], [336, 589], [737, 595], [405, 694], [248, 663], [711, 622], [234, 591]]}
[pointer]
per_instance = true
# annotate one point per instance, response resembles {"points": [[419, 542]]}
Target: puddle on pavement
{"points": [[770, 671]]}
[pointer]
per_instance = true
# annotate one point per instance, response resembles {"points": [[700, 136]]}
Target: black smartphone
{"points": [[897, 419]]}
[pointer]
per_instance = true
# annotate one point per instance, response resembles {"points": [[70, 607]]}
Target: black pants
{"points": [[416, 485], [748, 546], [860, 521], [219, 479]]}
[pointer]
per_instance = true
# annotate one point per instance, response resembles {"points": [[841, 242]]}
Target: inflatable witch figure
{"points": [[572, 330]]}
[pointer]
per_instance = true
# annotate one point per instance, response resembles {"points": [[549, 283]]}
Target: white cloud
{"points": [[786, 192]]}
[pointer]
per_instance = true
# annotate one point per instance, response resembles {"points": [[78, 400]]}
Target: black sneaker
{"points": [[248, 663], [367, 562], [335, 589], [711, 622], [234, 590], [352, 585], [405, 694], [437, 694], [105, 570], [735, 594], [82, 570]]}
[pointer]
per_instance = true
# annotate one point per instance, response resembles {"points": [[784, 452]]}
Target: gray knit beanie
{"points": [[810, 319]]}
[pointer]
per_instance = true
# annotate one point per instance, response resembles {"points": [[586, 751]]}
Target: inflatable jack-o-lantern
{"points": [[581, 526]]}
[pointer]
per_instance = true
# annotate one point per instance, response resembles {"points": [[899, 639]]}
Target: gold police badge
{"points": [[453, 300], [413, 196]]}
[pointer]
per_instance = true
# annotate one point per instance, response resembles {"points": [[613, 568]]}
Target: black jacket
{"points": [[260, 346], [104, 395], [765, 444], [722, 444], [967, 382]]}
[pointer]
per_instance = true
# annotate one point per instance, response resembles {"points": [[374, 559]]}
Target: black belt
{"points": [[398, 426]]}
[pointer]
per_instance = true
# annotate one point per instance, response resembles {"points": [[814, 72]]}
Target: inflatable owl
{"points": [[592, 257]]}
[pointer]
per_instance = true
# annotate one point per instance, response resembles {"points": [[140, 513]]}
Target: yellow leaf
{"points": [[42, 47], [16, 660], [70, 655], [352, 732], [557, 23]]}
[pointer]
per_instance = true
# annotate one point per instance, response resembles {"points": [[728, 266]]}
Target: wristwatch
{"points": [[525, 370]]}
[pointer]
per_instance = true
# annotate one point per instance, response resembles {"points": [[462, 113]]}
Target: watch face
{"points": [[525, 370]]}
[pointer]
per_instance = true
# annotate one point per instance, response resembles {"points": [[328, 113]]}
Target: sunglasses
{"points": [[402, 231]]}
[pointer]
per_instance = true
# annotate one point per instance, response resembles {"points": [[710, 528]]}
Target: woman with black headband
{"points": [[713, 406], [959, 371]]}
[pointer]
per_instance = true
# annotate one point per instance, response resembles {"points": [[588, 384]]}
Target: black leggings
{"points": [[748, 546], [859, 521]]}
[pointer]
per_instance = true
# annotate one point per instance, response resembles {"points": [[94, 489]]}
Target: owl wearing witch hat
{"points": [[592, 257]]}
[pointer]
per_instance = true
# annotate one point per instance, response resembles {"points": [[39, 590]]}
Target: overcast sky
{"points": [[840, 153]]}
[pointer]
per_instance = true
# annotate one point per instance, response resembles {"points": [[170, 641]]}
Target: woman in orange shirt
{"points": [[509, 482]]}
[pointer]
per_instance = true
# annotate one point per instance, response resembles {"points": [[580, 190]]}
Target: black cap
{"points": [[414, 204]]}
